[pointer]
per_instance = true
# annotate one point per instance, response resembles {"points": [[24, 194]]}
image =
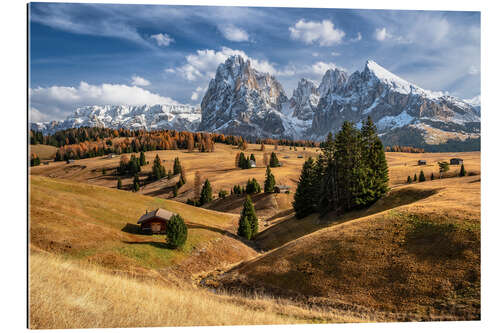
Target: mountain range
{"points": [[243, 101]]}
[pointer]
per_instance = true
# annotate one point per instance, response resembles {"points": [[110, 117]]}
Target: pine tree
{"points": [[252, 157], [206, 193], [274, 162], [242, 163], [377, 171], [415, 177], [408, 180], [253, 186], [432, 176], [158, 170], [462, 171], [248, 212], [421, 176], [270, 182], [119, 183], [176, 190], [305, 197], [244, 228], [177, 166], [142, 159], [176, 232], [136, 185]]}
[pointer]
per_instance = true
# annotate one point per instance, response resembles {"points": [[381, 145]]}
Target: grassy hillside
{"points": [[45, 152], [413, 262], [69, 294], [98, 225]]}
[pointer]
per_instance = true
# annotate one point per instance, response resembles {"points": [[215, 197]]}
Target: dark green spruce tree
{"points": [[142, 159], [305, 196], [462, 171], [176, 232], [206, 193], [248, 212], [373, 153], [273, 161], [270, 182], [421, 176], [244, 229], [177, 166]]}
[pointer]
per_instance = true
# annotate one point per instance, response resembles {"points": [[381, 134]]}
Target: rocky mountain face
{"points": [[149, 117], [243, 101], [394, 103], [240, 101]]}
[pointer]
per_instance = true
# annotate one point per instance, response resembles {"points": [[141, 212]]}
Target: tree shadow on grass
{"points": [[160, 245], [132, 229]]}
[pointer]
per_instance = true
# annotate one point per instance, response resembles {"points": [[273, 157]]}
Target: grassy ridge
{"points": [[98, 224], [418, 261]]}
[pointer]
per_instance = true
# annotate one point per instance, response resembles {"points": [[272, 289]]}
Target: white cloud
{"points": [[357, 38], [162, 39], [169, 70], [139, 81], [382, 34], [320, 67], [233, 33], [56, 102], [203, 63], [335, 54], [36, 116], [315, 54], [196, 94], [322, 32]]}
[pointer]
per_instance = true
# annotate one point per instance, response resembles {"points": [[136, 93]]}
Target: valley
{"points": [[413, 255]]}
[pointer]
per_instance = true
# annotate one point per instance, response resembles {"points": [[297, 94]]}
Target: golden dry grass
{"points": [[420, 261], [98, 225], [369, 265], [65, 294], [45, 152], [219, 168]]}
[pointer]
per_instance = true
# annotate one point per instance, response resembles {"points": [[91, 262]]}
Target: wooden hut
{"points": [[422, 162], [155, 222], [281, 189], [456, 161]]}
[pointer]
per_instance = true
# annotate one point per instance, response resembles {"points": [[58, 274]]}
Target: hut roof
{"points": [[159, 212], [282, 187]]}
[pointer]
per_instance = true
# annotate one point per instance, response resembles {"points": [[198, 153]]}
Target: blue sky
{"points": [[84, 54]]}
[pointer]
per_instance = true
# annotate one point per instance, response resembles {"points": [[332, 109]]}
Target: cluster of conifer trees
{"points": [[243, 162], [350, 173]]}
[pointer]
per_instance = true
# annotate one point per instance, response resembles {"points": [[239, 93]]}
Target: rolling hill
{"points": [[416, 261]]}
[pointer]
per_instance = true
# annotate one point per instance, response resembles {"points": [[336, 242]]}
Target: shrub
{"points": [[176, 232], [421, 176], [222, 194]]}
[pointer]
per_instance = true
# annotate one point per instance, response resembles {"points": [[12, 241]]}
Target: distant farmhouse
{"points": [[281, 189], [155, 221], [422, 162], [456, 161]]}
